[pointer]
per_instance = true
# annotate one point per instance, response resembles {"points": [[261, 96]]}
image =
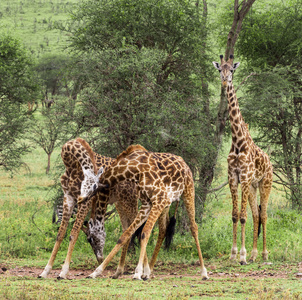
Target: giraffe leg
{"points": [[245, 187], [163, 221], [127, 208], [81, 214], [265, 189], [139, 220], [233, 184], [156, 211], [125, 224], [189, 200], [68, 205], [255, 213]]}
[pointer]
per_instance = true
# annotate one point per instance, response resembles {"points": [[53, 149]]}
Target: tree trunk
{"points": [[48, 163], [236, 27]]}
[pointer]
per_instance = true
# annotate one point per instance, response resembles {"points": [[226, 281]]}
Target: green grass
{"points": [[27, 238], [177, 287], [27, 234], [32, 20]]}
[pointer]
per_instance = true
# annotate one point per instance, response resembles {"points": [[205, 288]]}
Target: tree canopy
{"points": [[18, 85], [271, 43]]}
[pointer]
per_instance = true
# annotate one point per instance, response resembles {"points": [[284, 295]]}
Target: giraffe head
{"points": [[226, 69], [96, 236], [90, 184]]}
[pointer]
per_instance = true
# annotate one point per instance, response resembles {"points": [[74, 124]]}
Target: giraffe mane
{"points": [[130, 149], [89, 151]]}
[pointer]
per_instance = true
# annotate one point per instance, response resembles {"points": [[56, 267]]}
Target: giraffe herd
{"points": [[156, 179]]}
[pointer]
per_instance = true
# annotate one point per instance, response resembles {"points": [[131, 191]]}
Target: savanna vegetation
{"points": [[120, 72]]}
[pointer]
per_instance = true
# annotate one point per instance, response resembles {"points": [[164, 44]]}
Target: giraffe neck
{"points": [[72, 152], [238, 126]]}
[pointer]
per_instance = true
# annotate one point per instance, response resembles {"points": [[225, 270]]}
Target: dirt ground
{"points": [[175, 270]]}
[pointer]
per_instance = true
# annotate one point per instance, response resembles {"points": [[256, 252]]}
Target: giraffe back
{"points": [[155, 173]]}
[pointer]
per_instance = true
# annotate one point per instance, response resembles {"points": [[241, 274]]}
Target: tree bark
{"points": [[240, 11]]}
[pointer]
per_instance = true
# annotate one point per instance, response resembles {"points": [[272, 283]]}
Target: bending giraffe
{"points": [[161, 179], [248, 165], [80, 163]]}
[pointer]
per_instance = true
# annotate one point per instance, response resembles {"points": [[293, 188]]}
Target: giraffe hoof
{"points": [[243, 263], [60, 278]]}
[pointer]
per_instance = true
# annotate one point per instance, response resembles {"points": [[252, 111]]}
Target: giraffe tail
{"points": [[170, 231], [259, 226], [137, 234]]}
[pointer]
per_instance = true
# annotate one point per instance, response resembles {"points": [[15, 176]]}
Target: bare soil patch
{"points": [[161, 271]]}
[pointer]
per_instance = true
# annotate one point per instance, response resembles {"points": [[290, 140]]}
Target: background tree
{"points": [[145, 62], [18, 86], [53, 128], [271, 42], [59, 77]]}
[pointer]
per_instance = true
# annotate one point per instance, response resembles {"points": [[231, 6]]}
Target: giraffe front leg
{"points": [[243, 217], [255, 213], [127, 210], [139, 220], [233, 183], [163, 222], [68, 205], [120, 268], [156, 211], [81, 214]]}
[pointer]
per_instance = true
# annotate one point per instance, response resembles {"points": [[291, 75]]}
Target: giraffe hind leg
{"points": [[256, 218], [265, 188], [188, 197]]}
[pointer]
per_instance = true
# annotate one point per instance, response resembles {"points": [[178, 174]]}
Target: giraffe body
{"points": [[161, 178], [80, 164], [248, 165]]}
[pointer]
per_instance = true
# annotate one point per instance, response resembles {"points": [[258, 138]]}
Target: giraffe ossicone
{"points": [[248, 165]]}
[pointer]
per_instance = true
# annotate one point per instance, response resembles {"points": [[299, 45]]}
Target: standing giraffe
{"points": [[161, 179], [80, 164], [248, 165]]}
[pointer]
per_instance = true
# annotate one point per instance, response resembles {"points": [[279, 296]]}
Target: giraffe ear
{"points": [[216, 65], [100, 172], [86, 172], [236, 65]]}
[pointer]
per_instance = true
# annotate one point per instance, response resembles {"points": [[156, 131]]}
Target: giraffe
{"points": [[80, 162], [248, 165], [161, 178]]}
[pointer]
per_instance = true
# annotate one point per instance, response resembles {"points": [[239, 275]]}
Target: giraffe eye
{"points": [[94, 187]]}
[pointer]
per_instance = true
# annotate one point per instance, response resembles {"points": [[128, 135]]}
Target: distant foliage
{"points": [[18, 86], [272, 44], [144, 62]]}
